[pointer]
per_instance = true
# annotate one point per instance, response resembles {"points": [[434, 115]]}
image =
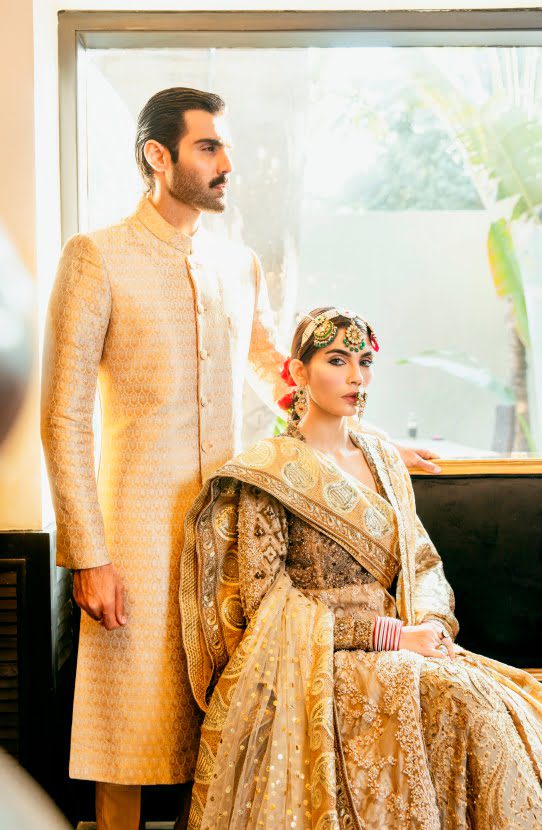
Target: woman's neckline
{"points": [[294, 432]]}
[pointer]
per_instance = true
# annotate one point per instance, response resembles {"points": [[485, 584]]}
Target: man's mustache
{"points": [[218, 180]]}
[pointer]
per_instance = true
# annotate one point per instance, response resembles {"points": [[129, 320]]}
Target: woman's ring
{"points": [[443, 634], [442, 648]]}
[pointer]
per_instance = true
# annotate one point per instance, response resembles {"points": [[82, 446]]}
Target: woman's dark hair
{"points": [[305, 353], [162, 119]]}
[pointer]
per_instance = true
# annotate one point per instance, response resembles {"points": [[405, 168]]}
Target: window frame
{"points": [[82, 30]]}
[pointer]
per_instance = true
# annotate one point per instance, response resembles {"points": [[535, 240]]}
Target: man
{"points": [[166, 317]]}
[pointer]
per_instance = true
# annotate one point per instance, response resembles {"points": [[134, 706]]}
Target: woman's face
{"points": [[334, 374]]}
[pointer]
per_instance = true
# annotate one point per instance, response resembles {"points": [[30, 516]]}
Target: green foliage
{"points": [[505, 145], [506, 273], [279, 426], [419, 166]]}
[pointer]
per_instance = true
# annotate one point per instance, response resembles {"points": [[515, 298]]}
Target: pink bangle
{"points": [[387, 634]]}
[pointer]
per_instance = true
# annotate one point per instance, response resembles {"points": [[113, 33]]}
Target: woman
{"points": [[319, 628]]}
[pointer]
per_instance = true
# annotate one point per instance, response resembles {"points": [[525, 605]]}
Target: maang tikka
{"points": [[324, 330]]}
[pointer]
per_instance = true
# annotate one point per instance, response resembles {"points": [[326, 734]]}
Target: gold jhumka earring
{"points": [[300, 402]]}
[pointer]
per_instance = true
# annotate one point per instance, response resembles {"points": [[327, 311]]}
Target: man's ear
{"points": [[298, 372], [157, 155]]}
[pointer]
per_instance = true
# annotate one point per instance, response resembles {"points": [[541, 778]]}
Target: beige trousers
{"points": [[118, 806]]}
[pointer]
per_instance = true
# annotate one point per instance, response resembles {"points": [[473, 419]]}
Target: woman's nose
{"points": [[356, 376]]}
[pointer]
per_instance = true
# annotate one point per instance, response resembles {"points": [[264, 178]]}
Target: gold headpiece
{"points": [[325, 331]]}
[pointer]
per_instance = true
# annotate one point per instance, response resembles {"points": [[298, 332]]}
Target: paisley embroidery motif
{"points": [[375, 522], [341, 496], [303, 472], [261, 455]]}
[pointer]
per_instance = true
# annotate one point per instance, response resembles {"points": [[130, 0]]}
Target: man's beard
{"points": [[187, 188]]}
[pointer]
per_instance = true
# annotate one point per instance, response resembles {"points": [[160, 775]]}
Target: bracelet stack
{"points": [[387, 634]]}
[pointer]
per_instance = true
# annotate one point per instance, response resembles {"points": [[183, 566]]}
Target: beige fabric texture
{"points": [[166, 324]]}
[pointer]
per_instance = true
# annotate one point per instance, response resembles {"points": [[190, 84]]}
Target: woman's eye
{"points": [[209, 149], [336, 361], [366, 363]]}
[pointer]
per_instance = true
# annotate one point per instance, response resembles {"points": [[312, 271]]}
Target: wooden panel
{"points": [[27, 680], [9, 662]]}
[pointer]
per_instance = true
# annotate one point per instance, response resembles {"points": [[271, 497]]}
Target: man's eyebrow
{"points": [[214, 141], [366, 353]]}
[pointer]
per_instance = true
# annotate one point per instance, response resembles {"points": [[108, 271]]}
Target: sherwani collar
{"points": [[159, 227]]}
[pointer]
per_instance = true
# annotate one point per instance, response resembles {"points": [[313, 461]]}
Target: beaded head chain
{"points": [[324, 331]]}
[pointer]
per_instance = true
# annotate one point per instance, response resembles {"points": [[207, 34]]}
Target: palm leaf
{"points": [[506, 273], [501, 142], [506, 146]]}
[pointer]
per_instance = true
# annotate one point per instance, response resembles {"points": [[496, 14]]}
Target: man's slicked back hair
{"points": [[162, 119]]}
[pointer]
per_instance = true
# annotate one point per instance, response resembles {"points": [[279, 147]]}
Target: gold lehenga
{"points": [[287, 562]]}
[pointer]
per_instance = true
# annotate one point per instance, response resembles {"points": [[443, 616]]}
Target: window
{"points": [[396, 174]]}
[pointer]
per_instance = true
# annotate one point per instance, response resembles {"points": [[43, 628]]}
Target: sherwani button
{"points": [[204, 402], [206, 446], [200, 308], [203, 353]]}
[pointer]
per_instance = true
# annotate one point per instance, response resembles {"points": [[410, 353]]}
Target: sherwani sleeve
{"points": [[77, 321], [262, 541], [265, 358]]}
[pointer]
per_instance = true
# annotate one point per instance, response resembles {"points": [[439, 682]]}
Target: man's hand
{"points": [[418, 459], [99, 592]]}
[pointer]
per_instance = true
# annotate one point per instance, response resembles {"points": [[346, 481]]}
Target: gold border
{"points": [[484, 466]]}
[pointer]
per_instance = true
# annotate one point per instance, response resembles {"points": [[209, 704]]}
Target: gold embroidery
{"points": [[225, 522], [229, 574], [262, 538], [261, 455], [232, 613], [417, 742], [341, 496], [303, 472], [375, 522]]}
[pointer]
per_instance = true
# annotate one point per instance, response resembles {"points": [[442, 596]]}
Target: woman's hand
{"points": [[425, 639]]}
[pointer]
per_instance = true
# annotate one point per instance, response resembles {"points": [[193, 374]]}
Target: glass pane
{"points": [[401, 182]]}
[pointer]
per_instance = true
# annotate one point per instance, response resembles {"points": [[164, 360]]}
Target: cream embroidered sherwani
{"points": [[166, 323]]}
